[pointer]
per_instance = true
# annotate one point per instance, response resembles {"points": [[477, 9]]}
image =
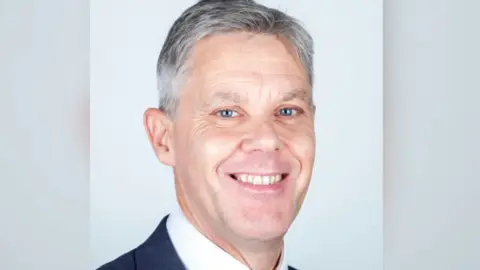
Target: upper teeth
{"points": [[259, 179]]}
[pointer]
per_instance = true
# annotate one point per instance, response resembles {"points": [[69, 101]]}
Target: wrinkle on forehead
{"points": [[264, 54], [237, 98], [231, 67], [252, 84]]}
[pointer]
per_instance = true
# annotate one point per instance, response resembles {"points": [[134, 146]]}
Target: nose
{"points": [[263, 138]]}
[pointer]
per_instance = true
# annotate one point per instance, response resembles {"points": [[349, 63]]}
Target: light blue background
{"points": [[340, 226]]}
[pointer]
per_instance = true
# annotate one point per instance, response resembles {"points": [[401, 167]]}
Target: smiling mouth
{"points": [[256, 179]]}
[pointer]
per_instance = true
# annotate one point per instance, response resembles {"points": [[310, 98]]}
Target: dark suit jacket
{"points": [[156, 253]]}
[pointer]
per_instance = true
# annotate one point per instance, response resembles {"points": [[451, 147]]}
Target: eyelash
{"points": [[217, 113], [298, 111]]}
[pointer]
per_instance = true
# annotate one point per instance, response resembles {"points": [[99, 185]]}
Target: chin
{"points": [[251, 225], [263, 233]]}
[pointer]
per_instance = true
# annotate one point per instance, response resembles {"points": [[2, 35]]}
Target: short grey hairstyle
{"points": [[213, 17]]}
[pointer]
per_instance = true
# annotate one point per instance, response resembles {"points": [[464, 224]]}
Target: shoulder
{"points": [[124, 262]]}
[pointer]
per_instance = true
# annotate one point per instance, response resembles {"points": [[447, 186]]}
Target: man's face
{"points": [[243, 140]]}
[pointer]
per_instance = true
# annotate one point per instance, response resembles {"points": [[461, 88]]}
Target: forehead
{"points": [[245, 58]]}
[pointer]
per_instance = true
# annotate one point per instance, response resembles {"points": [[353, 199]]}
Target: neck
{"points": [[257, 255]]}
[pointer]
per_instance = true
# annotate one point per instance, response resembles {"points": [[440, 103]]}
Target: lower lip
{"points": [[273, 188]]}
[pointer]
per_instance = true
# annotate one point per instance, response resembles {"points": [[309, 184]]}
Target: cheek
{"points": [[215, 145], [300, 139], [305, 145], [218, 146], [204, 146]]}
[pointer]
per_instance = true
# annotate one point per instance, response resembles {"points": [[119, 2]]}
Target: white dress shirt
{"points": [[197, 252]]}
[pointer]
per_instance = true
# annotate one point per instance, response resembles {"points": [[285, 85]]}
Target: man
{"points": [[236, 124]]}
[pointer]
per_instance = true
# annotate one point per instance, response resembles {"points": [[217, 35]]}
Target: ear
{"points": [[159, 130]]}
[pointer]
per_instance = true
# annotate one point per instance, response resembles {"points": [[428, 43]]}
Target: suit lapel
{"points": [[158, 252]]}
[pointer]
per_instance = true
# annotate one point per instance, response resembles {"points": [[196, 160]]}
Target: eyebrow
{"points": [[301, 94], [227, 96], [298, 93]]}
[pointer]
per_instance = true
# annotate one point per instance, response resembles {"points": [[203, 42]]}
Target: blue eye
{"points": [[287, 111], [227, 113]]}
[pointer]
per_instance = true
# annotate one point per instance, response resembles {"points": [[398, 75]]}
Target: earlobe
{"points": [[159, 127]]}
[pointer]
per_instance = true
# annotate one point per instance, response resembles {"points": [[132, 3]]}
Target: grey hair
{"points": [[212, 17]]}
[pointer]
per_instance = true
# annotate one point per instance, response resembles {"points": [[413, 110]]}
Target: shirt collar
{"points": [[197, 252]]}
